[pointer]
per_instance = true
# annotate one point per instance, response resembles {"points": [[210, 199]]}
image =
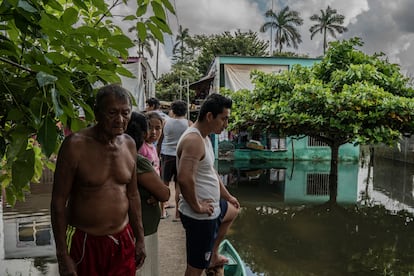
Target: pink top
{"points": [[150, 152]]}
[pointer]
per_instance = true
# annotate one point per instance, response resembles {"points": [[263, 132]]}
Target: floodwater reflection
{"points": [[27, 245], [288, 182], [285, 227], [288, 227]]}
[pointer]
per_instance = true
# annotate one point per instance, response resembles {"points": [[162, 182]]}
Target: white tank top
{"points": [[207, 185]]}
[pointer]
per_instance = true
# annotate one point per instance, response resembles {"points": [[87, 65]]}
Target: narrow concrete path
{"points": [[171, 242]]}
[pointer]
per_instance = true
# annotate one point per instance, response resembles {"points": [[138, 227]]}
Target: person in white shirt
{"points": [[206, 207], [174, 127]]}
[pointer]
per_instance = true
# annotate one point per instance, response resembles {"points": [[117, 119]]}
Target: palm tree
{"points": [[330, 21], [182, 41], [144, 45], [284, 23]]}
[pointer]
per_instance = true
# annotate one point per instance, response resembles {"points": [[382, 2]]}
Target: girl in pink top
{"points": [[148, 148]]}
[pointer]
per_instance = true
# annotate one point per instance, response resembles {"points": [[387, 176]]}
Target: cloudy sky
{"points": [[384, 25]]}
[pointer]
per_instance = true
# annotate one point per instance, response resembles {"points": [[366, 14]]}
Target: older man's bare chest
{"points": [[100, 164]]}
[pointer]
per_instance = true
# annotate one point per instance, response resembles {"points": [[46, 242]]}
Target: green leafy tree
{"points": [[328, 21], [183, 49], [284, 23], [53, 54], [168, 86], [349, 97], [199, 52], [173, 85], [237, 44]]}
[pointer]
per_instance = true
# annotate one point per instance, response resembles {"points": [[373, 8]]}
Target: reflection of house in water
{"points": [[403, 151], [27, 227], [395, 179], [33, 231], [298, 182], [310, 182]]}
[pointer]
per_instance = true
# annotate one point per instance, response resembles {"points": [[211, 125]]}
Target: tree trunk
{"points": [[333, 174]]}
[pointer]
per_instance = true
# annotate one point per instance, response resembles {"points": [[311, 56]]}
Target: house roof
{"points": [[203, 82]]}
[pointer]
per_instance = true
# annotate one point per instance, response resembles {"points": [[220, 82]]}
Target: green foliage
{"points": [[193, 56], [347, 97], [183, 50], [239, 44], [191, 68], [168, 86], [52, 55], [145, 39]]}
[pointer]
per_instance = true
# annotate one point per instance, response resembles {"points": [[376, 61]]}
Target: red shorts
{"points": [[102, 255]]}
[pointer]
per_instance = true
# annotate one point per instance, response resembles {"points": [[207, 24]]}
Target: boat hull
{"points": [[235, 266]]}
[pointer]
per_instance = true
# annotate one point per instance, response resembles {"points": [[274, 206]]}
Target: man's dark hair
{"points": [[153, 102], [214, 103], [179, 107], [137, 127], [116, 90]]}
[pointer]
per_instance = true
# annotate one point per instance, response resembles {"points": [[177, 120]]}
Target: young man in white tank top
{"points": [[206, 207]]}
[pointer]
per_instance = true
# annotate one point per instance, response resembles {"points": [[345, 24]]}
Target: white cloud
{"points": [[216, 16], [384, 26]]}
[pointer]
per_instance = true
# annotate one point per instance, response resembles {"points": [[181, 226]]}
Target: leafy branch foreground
{"points": [[53, 53]]}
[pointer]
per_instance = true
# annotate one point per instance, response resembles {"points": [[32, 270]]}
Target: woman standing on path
{"points": [[152, 191], [173, 129]]}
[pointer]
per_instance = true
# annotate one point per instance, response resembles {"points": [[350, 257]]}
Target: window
{"points": [[277, 175], [277, 144], [314, 142], [317, 184]]}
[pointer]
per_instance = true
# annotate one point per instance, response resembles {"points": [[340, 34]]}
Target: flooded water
{"points": [[285, 227], [27, 246]]}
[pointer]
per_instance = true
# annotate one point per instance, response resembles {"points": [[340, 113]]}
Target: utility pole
{"points": [[181, 88], [188, 100], [156, 60]]}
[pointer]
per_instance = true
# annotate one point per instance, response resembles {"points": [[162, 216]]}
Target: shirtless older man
{"points": [[95, 207]]}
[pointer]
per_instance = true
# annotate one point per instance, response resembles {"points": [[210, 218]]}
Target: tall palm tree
{"points": [[284, 23], [328, 20], [144, 45], [182, 41]]}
